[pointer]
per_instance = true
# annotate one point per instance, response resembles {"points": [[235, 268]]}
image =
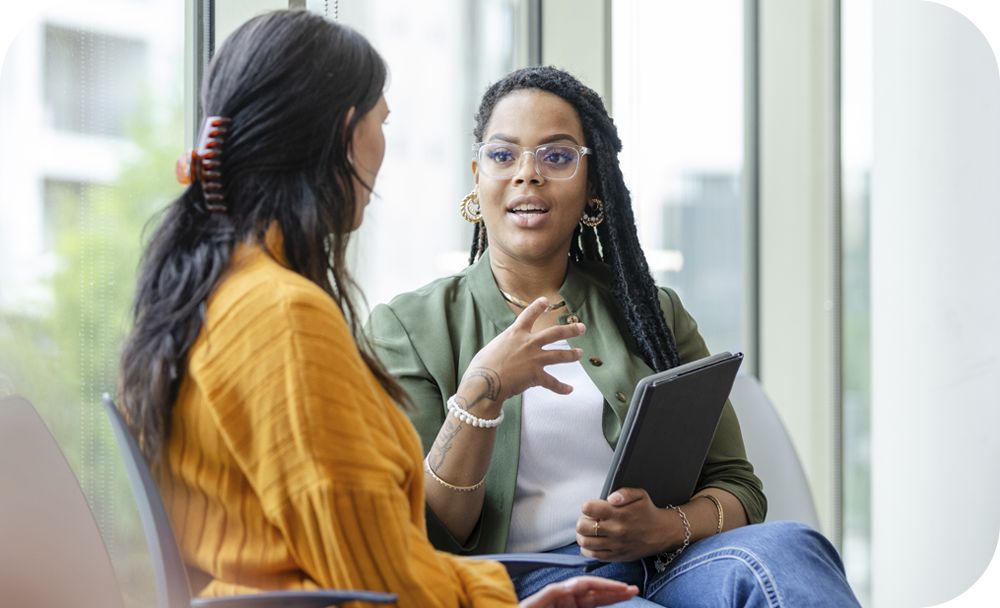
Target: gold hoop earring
{"points": [[469, 208], [594, 220]]}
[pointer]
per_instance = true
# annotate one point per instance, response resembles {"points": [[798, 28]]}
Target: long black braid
{"points": [[614, 241]]}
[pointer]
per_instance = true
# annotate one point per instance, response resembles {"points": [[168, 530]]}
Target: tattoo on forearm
{"points": [[443, 444], [492, 381]]}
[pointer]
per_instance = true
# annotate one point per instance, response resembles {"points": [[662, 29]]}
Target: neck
{"points": [[527, 280]]}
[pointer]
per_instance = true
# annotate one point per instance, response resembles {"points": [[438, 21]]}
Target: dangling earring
{"points": [[469, 208], [594, 220]]}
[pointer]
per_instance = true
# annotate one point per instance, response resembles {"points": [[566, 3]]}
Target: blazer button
{"points": [[572, 319], [620, 396], [596, 361]]}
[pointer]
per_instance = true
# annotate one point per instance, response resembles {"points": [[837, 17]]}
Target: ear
{"points": [[475, 173]]}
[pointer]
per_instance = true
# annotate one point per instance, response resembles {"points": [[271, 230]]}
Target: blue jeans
{"points": [[779, 564]]}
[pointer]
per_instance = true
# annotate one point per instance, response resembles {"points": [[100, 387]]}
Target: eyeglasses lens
{"points": [[552, 161]]}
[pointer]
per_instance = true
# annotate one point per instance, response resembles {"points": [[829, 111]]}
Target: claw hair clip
{"points": [[204, 163]]}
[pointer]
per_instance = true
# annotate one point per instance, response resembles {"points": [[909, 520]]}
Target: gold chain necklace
{"points": [[521, 304]]}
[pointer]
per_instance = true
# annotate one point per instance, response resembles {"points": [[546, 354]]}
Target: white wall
{"points": [[935, 271]]}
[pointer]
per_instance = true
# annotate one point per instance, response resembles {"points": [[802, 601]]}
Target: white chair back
{"points": [[774, 458]]}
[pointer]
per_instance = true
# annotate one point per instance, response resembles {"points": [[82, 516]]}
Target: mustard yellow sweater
{"points": [[288, 467]]}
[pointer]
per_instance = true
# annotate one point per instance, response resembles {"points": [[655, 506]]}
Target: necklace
{"points": [[521, 304]]}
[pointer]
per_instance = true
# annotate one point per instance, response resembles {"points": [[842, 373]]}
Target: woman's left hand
{"points": [[625, 527]]}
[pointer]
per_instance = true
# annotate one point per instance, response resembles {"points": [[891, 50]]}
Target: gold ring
{"points": [[597, 527]]}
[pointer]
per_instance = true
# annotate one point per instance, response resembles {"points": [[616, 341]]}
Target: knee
{"points": [[790, 541]]}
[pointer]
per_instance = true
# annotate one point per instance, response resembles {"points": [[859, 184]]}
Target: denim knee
{"points": [[774, 564]]}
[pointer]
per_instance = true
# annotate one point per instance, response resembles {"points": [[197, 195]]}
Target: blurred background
{"points": [[816, 178]]}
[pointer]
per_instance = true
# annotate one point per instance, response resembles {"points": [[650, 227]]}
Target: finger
{"points": [[549, 381], [624, 496], [526, 320], [559, 332], [597, 509], [561, 355], [586, 526], [580, 585], [605, 598], [555, 595], [603, 555], [596, 544]]}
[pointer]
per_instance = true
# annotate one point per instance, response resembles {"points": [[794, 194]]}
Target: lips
{"points": [[527, 205], [527, 211]]}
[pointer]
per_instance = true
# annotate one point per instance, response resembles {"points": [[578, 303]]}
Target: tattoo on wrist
{"points": [[443, 444], [491, 380]]}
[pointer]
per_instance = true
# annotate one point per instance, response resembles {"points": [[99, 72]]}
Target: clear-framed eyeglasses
{"points": [[500, 159]]}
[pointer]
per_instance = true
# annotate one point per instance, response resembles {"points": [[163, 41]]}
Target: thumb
{"points": [[624, 496], [526, 320]]}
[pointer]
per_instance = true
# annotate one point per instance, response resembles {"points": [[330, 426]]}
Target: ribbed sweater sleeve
{"points": [[332, 461]]}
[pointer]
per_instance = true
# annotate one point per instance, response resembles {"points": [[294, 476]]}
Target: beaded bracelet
{"points": [[472, 488], [718, 508], [470, 419], [663, 559]]}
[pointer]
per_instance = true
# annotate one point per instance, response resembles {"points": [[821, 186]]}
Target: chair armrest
{"points": [[522, 563], [293, 599]]}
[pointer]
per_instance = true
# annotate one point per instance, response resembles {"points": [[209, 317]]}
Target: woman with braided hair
{"points": [[282, 457], [518, 470]]}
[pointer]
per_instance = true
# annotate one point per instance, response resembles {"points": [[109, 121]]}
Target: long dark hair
{"points": [[614, 242], [286, 79]]}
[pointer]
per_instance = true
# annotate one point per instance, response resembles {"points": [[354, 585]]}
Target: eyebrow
{"points": [[547, 140]]}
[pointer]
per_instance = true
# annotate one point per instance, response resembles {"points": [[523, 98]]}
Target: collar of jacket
{"points": [[607, 344]]}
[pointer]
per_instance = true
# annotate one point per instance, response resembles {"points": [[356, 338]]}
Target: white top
{"points": [[564, 459]]}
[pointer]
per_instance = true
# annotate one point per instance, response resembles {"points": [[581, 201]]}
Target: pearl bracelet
{"points": [[480, 423]]}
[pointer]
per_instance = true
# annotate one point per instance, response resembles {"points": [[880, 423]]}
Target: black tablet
{"points": [[670, 426]]}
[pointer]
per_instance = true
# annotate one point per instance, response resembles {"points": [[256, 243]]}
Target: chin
{"points": [[359, 215]]}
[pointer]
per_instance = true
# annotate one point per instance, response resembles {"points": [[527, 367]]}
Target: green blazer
{"points": [[427, 337]]}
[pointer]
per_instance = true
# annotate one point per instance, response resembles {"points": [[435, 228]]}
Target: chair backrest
{"points": [[172, 587], [51, 552], [774, 458]]}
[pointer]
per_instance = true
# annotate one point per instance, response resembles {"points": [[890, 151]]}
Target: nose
{"points": [[527, 169]]}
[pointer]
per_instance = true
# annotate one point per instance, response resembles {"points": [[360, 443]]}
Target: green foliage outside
{"points": [[63, 357]]}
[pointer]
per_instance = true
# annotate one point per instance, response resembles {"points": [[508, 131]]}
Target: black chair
{"points": [[172, 587], [522, 563]]}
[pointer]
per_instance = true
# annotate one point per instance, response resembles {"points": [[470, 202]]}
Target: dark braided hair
{"points": [[615, 241]]}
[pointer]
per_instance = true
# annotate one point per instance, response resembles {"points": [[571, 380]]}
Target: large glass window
{"points": [[90, 125], [678, 95], [77, 59], [441, 56], [856, 75]]}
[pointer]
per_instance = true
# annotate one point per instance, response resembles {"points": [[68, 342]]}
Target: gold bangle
{"points": [[427, 467], [718, 507]]}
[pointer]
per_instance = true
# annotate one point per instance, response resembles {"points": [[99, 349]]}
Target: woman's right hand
{"points": [[581, 592], [515, 360]]}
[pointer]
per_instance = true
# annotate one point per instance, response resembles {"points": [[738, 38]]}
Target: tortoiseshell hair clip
{"points": [[204, 163]]}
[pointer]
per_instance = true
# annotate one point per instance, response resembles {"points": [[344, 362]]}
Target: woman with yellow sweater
{"points": [[283, 457]]}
